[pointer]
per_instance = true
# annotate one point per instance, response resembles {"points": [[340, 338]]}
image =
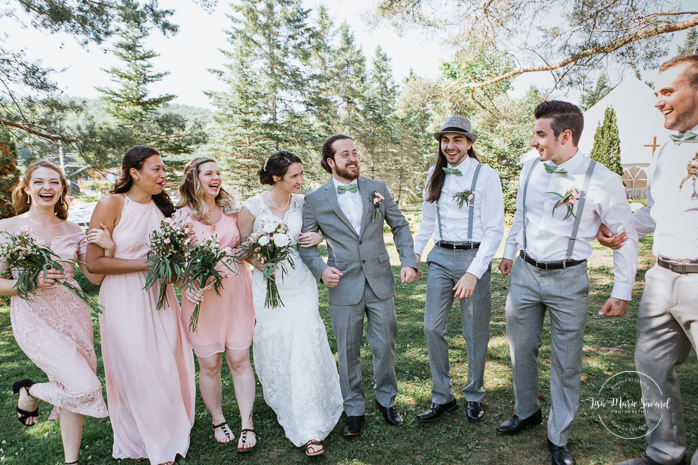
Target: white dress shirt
{"points": [[548, 234], [350, 203], [488, 228], [671, 213]]}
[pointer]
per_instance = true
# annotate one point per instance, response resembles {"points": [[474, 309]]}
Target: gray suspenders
{"points": [[471, 206], [580, 207]]}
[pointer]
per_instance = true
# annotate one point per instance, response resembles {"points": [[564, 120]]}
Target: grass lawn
{"points": [[608, 349]]}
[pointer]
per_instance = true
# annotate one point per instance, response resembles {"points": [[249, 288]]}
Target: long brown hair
{"points": [[20, 199], [191, 192], [135, 158], [438, 177]]}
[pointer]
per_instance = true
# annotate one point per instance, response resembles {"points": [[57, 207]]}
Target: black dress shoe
{"points": [[561, 456], [515, 425], [437, 410], [352, 427], [392, 417], [475, 412]]}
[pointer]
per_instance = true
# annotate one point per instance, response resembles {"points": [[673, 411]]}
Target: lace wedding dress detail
{"points": [[292, 357]]}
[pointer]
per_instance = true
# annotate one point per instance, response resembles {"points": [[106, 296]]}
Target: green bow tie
{"points": [[341, 189], [687, 136], [555, 169], [455, 171]]}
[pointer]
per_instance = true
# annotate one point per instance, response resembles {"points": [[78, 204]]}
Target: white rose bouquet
{"points": [[271, 245], [29, 259]]}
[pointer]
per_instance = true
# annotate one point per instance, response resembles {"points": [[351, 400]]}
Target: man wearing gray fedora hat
{"points": [[464, 211]]}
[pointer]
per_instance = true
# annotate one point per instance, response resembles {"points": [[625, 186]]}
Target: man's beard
{"points": [[346, 174]]}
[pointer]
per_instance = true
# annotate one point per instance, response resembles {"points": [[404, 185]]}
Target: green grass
{"points": [[609, 347]]}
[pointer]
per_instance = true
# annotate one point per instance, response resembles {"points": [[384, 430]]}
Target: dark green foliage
{"points": [[591, 96], [691, 43], [9, 175], [607, 143]]}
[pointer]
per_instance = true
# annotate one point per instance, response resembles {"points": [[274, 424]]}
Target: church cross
{"points": [[653, 145]]}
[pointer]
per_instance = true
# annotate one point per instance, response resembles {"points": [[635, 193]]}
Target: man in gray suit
{"points": [[350, 211]]}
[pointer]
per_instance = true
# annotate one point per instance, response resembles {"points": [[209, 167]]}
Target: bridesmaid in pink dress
{"points": [[226, 322], [55, 328], [148, 362]]}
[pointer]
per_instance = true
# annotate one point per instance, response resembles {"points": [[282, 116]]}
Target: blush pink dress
{"points": [[55, 330], [225, 320], [148, 362]]}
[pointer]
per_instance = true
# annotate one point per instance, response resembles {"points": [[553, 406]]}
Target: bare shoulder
{"points": [[72, 228], [12, 225], [111, 203]]}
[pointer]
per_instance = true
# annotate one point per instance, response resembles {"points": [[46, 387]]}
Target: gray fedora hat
{"points": [[459, 124]]}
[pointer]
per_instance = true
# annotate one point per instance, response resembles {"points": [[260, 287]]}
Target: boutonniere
{"points": [[464, 197], [692, 174], [569, 199], [376, 199]]}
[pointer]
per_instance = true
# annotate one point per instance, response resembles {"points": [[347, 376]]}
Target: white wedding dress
{"points": [[292, 357]]}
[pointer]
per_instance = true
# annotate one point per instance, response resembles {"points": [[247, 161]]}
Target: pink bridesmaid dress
{"points": [[55, 331], [226, 320], [148, 362]]}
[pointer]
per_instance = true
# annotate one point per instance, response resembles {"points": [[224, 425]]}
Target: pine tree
{"points": [[377, 132], [350, 80], [592, 96], [607, 143], [241, 139], [9, 175], [691, 43], [137, 118]]}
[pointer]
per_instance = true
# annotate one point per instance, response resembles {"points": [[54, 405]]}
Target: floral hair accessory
{"points": [[376, 199], [569, 199]]}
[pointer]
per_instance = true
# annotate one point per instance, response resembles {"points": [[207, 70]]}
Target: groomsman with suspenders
{"points": [[667, 326], [563, 198], [463, 208]]}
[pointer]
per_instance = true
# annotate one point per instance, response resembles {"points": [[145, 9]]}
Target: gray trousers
{"points": [[667, 326], [564, 293], [446, 267], [381, 329]]}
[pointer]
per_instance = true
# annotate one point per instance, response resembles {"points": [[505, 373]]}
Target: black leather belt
{"points": [[683, 267], [452, 246], [558, 265]]}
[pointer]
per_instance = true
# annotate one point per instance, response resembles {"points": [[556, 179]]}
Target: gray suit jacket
{"points": [[360, 259]]}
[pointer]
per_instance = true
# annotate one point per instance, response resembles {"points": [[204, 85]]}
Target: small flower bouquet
{"points": [[202, 259], [464, 197], [376, 199], [692, 169], [168, 244], [569, 200], [23, 253], [271, 245]]}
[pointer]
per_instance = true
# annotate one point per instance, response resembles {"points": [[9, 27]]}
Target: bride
{"points": [[292, 357]]}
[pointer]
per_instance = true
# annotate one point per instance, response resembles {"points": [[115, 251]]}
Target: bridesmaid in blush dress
{"points": [[148, 362], [54, 329], [226, 321]]}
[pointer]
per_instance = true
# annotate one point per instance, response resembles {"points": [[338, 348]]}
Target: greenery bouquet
{"points": [[168, 261], [202, 260], [29, 259]]}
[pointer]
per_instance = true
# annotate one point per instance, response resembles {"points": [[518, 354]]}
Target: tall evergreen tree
{"points": [[592, 96], [9, 175], [378, 124], [241, 137], [691, 43], [137, 118], [350, 80], [607, 143]]}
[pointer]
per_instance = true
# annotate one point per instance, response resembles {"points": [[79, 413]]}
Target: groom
{"points": [[350, 211]]}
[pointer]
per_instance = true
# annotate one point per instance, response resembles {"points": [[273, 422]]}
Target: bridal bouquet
{"points": [[24, 254], [202, 259], [168, 261], [271, 245]]}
